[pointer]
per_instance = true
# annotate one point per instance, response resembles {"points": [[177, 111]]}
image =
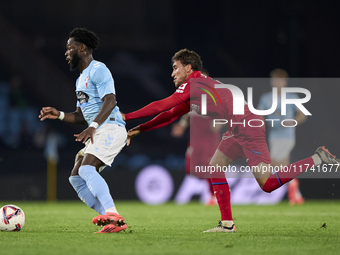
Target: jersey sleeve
{"points": [[103, 80], [165, 118], [154, 108], [183, 93], [181, 96]]}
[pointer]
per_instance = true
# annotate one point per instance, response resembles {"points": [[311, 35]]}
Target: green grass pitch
{"points": [[66, 228]]}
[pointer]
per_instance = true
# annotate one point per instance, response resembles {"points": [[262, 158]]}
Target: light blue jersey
{"points": [[278, 131], [92, 85]]}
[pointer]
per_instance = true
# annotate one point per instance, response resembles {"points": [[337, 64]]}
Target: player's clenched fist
{"points": [[48, 113]]}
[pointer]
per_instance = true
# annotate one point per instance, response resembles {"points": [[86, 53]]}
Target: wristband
{"points": [[61, 116], [94, 125]]}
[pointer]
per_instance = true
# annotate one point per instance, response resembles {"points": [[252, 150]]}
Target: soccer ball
{"points": [[12, 218]]}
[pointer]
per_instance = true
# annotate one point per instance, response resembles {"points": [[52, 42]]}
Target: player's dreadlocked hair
{"points": [[188, 57], [85, 36]]}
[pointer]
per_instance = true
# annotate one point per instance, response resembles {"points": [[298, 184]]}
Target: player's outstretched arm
{"points": [[52, 113], [153, 108], [161, 120], [165, 118], [48, 113]]}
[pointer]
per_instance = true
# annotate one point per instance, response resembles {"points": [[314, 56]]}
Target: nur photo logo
{"points": [[280, 101]]}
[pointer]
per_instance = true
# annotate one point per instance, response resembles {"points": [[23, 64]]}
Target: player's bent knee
{"points": [[266, 189], [263, 186]]}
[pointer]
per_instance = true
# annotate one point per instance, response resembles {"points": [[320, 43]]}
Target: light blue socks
{"points": [[85, 194], [97, 185]]}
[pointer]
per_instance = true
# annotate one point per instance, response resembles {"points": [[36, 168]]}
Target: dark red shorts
{"points": [[248, 142]]}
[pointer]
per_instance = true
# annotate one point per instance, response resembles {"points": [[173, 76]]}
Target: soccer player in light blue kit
{"points": [[282, 139], [105, 135]]}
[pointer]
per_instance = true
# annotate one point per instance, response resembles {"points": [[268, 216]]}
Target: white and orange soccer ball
{"points": [[12, 218]]}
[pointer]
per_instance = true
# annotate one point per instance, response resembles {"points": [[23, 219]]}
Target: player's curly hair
{"points": [[85, 36], [188, 57]]}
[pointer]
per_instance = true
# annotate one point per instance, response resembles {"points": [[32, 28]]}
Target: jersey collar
{"points": [[194, 74]]}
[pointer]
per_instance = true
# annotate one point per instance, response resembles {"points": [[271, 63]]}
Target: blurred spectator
{"points": [[4, 106], [281, 139], [22, 119]]}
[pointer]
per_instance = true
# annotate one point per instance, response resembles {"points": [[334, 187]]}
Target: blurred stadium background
{"points": [[138, 39]]}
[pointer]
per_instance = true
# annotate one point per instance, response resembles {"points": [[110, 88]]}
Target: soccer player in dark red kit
{"points": [[239, 141]]}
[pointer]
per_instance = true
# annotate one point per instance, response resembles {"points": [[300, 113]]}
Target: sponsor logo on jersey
{"points": [[181, 88], [83, 98]]}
